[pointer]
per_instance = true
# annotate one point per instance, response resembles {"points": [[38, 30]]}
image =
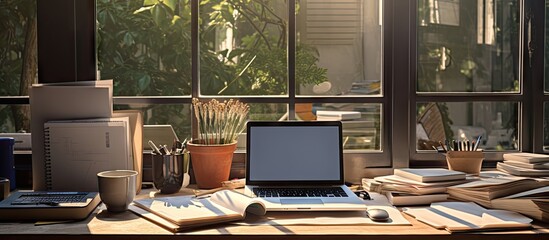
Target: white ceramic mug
{"points": [[117, 188]]}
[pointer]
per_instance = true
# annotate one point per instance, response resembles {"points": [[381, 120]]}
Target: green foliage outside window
{"points": [[146, 48]]}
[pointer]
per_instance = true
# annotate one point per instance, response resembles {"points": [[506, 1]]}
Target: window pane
{"points": [[145, 48], [495, 122], [361, 127], [18, 47], [468, 46], [243, 47], [14, 118], [339, 47]]}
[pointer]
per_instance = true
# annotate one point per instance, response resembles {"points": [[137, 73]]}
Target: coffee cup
{"points": [[117, 188]]}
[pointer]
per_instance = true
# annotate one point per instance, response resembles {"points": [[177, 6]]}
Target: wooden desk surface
{"points": [[102, 224]]}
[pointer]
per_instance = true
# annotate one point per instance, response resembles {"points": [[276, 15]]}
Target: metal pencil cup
{"points": [[469, 162], [170, 172]]}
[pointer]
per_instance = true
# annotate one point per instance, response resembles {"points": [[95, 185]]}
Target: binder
{"points": [[61, 101], [76, 150]]}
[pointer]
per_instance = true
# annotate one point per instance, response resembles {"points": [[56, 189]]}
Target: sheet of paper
{"points": [[463, 216], [330, 218]]}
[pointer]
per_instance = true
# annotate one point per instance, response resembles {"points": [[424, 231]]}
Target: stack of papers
{"points": [[488, 188], [525, 164], [533, 203], [415, 186], [467, 216]]}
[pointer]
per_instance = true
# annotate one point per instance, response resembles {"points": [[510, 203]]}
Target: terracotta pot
{"points": [[211, 163]]}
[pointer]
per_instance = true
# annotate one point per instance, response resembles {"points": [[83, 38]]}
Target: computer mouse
{"points": [[378, 215]]}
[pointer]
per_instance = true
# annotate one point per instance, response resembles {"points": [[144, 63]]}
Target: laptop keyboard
{"points": [[299, 192]]}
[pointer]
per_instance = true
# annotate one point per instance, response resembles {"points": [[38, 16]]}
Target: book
{"points": [[467, 216], [178, 213], [526, 157], [429, 174], [533, 203], [520, 171], [61, 101], [528, 165], [404, 199], [380, 186], [322, 115], [406, 181], [76, 150], [484, 190], [135, 118]]}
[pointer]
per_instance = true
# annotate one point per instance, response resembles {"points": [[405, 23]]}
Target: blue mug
{"points": [[7, 166]]}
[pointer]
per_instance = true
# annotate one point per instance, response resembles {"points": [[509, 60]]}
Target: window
{"points": [[287, 59], [467, 50], [458, 69], [18, 62]]}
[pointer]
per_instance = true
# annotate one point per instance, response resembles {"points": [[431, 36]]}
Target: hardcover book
{"points": [[429, 174]]}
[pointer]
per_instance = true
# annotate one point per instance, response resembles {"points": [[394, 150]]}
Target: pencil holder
{"points": [[170, 172], [469, 162]]}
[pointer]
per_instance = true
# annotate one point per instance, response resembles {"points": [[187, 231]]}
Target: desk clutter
{"points": [[490, 189], [180, 213]]}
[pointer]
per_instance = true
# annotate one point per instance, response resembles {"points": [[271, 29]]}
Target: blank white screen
{"points": [[294, 153]]}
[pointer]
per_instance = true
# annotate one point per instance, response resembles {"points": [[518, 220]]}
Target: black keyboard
{"points": [[50, 198], [299, 192]]}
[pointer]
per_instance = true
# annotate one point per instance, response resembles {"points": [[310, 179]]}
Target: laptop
{"points": [[298, 166]]}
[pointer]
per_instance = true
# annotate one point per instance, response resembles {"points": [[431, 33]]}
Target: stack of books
{"points": [[525, 164], [533, 203], [528, 196], [420, 186]]}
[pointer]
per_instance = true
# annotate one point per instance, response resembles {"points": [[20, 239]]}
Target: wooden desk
{"points": [[102, 224]]}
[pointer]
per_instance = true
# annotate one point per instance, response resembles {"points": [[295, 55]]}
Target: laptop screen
{"points": [[294, 152]]}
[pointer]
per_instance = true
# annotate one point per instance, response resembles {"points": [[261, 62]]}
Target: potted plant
{"points": [[219, 124]]}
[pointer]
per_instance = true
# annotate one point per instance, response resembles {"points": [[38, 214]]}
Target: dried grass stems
{"points": [[220, 122]]}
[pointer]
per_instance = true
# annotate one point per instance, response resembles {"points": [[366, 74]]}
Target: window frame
{"points": [[530, 110], [399, 78]]}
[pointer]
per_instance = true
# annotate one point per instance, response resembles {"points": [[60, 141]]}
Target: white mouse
{"points": [[378, 215]]}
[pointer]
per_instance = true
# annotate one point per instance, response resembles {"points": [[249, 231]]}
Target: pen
{"points": [[154, 147], [442, 145], [477, 143]]}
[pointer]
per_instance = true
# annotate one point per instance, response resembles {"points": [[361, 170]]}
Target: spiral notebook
{"points": [[76, 150]]}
